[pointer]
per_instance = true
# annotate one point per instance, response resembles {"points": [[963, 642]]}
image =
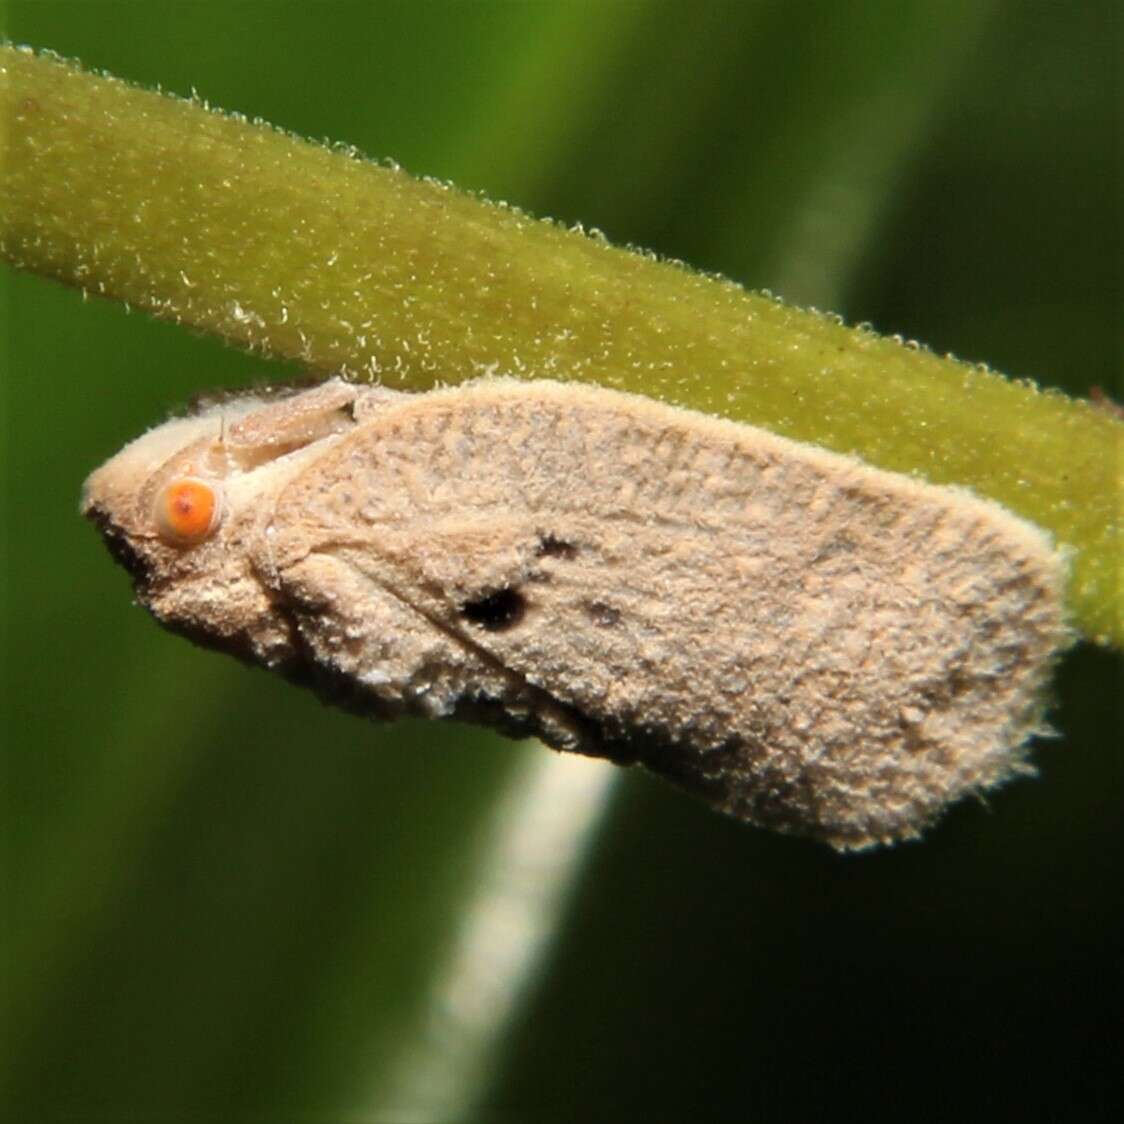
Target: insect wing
{"points": [[792, 632]]}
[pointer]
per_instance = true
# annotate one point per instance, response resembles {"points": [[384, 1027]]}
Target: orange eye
{"points": [[187, 510]]}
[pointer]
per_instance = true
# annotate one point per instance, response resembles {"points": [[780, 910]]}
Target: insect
{"points": [[808, 643]]}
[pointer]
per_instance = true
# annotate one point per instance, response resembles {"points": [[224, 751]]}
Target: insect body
{"points": [[806, 642]]}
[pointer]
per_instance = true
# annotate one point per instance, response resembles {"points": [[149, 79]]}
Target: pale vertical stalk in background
{"points": [[530, 857]]}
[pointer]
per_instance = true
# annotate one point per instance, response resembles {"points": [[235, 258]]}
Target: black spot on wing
{"points": [[551, 546], [496, 612]]}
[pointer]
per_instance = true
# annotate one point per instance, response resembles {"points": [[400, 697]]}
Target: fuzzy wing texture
{"points": [[808, 643]]}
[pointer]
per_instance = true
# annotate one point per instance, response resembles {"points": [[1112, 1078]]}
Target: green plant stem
{"points": [[302, 251]]}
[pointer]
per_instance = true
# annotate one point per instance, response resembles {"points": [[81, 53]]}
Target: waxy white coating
{"points": [[806, 642]]}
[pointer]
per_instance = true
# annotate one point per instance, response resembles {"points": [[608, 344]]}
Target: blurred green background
{"points": [[222, 901]]}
